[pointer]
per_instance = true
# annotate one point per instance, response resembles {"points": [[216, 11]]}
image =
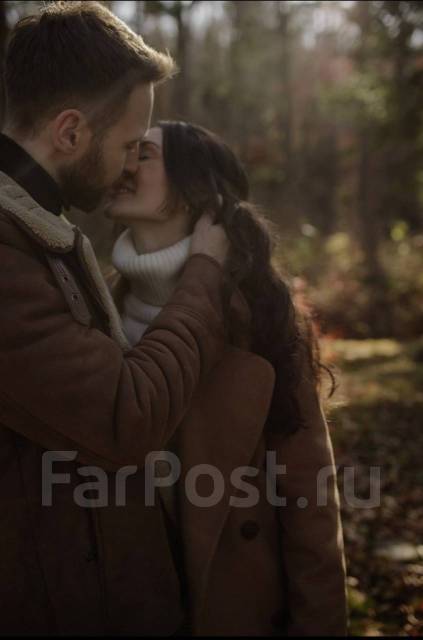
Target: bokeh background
{"points": [[323, 103]]}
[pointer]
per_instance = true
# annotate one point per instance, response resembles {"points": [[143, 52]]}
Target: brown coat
{"points": [[260, 569], [65, 385]]}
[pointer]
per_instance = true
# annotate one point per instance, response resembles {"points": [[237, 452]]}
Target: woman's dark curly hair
{"points": [[205, 174]]}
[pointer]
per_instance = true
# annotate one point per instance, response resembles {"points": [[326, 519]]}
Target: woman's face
{"points": [[144, 195]]}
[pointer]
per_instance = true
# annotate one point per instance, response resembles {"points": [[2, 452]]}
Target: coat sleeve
{"points": [[69, 387], [312, 538]]}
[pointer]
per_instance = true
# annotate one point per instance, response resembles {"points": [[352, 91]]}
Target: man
{"points": [[79, 92]]}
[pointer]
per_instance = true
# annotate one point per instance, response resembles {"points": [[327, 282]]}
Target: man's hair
{"points": [[76, 55]]}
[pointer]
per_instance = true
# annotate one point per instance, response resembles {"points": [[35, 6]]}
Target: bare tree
{"points": [[180, 12]]}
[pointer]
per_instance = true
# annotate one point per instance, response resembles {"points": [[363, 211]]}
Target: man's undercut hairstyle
{"points": [[76, 55]]}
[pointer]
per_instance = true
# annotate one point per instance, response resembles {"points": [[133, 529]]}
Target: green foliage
{"points": [[342, 295], [360, 96], [322, 102]]}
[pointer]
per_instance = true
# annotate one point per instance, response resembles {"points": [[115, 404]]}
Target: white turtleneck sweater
{"points": [[152, 278]]}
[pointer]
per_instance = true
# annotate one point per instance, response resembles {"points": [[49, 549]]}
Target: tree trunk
{"points": [[368, 232], [286, 107], [181, 85]]}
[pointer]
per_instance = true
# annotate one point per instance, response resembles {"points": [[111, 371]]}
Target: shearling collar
{"points": [[51, 231], [57, 234]]}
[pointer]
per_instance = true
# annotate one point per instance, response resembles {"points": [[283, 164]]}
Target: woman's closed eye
{"points": [[148, 151]]}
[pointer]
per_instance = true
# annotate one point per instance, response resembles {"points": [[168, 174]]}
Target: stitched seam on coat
{"points": [[190, 312]]}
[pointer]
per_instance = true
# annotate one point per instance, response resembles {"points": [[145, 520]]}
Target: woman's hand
{"points": [[210, 239]]}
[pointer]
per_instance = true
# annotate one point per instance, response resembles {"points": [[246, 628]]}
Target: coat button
{"points": [[249, 529]]}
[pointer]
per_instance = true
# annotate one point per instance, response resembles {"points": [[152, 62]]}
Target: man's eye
{"points": [[144, 157]]}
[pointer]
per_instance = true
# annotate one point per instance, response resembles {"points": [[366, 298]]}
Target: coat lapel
{"points": [[90, 264], [222, 429]]}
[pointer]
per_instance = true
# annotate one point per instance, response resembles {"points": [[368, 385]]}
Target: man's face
{"points": [[89, 181]]}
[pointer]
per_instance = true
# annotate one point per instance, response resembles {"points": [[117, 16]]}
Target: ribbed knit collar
{"points": [[31, 176], [152, 276]]}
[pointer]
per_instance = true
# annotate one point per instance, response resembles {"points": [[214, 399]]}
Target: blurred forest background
{"points": [[323, 103]]}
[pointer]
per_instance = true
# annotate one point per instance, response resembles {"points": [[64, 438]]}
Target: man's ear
{"points": [[69, 132]]}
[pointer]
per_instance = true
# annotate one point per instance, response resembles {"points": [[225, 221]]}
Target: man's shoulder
{"points": [[19, 211], [17, 236], [10, 232]]}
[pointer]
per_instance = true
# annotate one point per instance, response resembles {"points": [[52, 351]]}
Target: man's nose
{"points": [[131, 163]]}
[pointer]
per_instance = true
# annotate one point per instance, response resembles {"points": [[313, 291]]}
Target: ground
{"points": [[376, 420]]}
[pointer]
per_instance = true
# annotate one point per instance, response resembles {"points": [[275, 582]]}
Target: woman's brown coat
{"points": [[260, 569]]}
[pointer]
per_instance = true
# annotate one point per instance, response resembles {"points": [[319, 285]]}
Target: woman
{"points": [[248, 565]]}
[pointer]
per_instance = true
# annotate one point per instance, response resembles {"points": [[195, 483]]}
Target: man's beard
{"points": [[82, 183]]}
